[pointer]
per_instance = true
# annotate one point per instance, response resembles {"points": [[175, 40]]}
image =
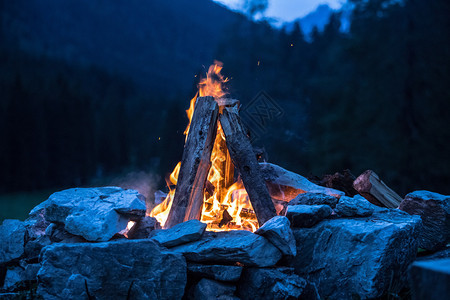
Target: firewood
{"points": [[241, 153], [195, 163], [370, 186]]}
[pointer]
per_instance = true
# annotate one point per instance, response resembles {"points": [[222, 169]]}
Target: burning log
{"points": [[370, 186], [244, 160], [195, 163]]}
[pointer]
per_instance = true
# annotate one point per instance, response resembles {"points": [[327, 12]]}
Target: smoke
{"points": [[145, 183]]}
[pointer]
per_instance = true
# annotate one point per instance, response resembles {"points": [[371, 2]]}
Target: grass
{"points": [[18, 205]]}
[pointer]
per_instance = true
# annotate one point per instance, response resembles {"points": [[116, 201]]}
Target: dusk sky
{"points": [[288, 10]]}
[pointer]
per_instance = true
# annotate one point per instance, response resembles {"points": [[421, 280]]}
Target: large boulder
{"points": [[277, 230], [357, 206], [230, 247], [434, 209], [362, 257], [12, 239], [182, 233], [96, 214], [279, 283], [286, 185], [123, 269]]}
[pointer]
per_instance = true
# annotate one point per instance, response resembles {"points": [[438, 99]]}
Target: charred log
{"points": [[195, 163], [244, 160]]}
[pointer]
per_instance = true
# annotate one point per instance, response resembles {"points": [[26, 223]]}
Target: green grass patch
{"points": [[18, 205]]}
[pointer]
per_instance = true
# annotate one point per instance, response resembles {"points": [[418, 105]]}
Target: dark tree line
{"points": [[375, 97]]}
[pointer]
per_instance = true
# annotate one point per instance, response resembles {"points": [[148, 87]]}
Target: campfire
{"points": [[218, 179]]}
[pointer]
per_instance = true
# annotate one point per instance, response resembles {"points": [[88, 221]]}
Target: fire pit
{"points": [[233, 228]]}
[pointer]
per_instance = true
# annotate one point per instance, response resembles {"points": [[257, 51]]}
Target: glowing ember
{"points": [[226, 205]]}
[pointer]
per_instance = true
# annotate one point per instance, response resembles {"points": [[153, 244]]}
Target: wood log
{"points": [[370, 186], [195, 163], [241, 153]]}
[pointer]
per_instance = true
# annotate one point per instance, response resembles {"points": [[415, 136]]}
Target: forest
{"points": [[373, 97]]}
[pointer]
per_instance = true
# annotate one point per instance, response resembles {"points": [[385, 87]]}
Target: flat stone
{"points": [[278, 283], [286, 185], [357, 206], [182, 233], [307, 215], [216, 272], [211, 289], [358, 257], [277, 230], [96, 214], [123, 269], [230, 247], [12, 237], [434, 209], [430, 279], [314, 199]]}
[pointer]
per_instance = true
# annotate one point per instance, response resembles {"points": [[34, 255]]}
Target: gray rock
{"points": [[360, 257], [434, 209], [182, 233], [230, 247], [93, 213], [19, 278], [430, 279], [314, 199], [307, 215], [143, 228], [140, 269], [216, 272], [357, 206], [12, 238], [277, 230], [286, 185], [36, 224], [211, 289], [279, 283]]}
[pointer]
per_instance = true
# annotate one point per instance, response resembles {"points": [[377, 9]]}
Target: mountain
{"points": [[157, 44], [320, 17]]}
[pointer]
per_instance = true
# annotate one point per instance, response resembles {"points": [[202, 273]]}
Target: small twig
{"points": [[90, 297], [129, 290]]}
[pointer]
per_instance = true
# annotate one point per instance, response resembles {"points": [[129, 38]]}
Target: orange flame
{"points": [[227, 206]]}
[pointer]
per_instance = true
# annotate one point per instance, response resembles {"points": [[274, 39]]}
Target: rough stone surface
{"points": [[216, 272], [434, 209], [314, 199], [430, 279], [230, 247], [307, 215], [143, 228], [93, 213], [12, 238], [211, 289], [277, 230], [182, 233], [285, 185], [124, 269], [279, 283], [357, 206], [360, 257], [20, 278]]}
